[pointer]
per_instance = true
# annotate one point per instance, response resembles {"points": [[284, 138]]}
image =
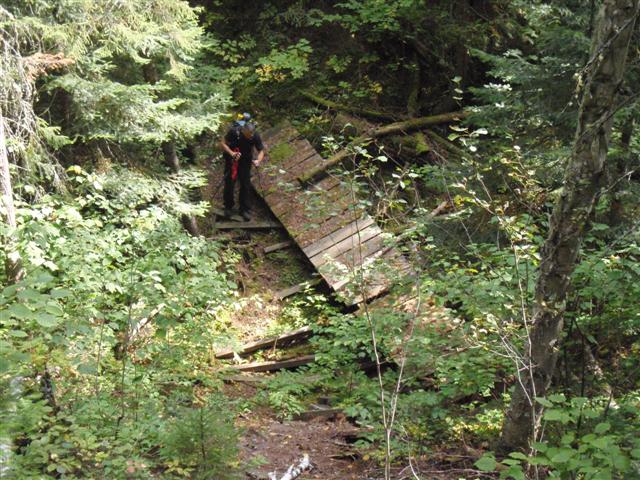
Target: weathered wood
{"points": [[302, 151], [329, 222], [219, 212], [351, 243], [271, 342], [284, 134], [244, 379], [325, 242], [319, 217], [278, 246], [308, 163], [373, 252], [287, 292], [404, 126], [245, 225], [273, 366], [318, 412]]}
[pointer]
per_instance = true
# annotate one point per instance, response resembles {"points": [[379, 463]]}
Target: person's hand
{"points": [[257, 163], [236, 155]]}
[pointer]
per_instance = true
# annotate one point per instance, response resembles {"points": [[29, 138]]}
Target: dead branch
{"points": [[397, 127]]}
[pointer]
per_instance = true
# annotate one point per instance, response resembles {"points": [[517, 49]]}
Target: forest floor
{"points": [[269, 443]]}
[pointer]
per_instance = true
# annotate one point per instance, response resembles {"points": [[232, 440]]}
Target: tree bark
{"points": [[583, 182], [13, 263]]}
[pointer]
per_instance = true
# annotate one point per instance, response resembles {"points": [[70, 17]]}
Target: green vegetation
{"points": [[497, 140]]}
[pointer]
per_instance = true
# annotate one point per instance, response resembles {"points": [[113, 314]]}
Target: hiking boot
{"points": [[245, 216]]}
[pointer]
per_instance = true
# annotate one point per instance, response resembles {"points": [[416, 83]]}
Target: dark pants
{"points": [[244, 179]]}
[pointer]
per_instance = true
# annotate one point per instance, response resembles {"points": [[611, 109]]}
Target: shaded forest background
{"points": [[116, 295]]}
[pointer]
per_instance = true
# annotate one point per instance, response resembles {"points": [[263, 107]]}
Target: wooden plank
{"points": [[368, 252], [339, 283], [302, 150], [350, 243], [273, 366], [219, 212], [271, 342], [287, 292], [283, 135], [337, 236], [245, 225], [278, 246], [327, 224], [326, 183], [318, 412], [310, 164]]}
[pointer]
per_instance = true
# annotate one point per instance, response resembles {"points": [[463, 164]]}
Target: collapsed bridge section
{"points": [[326, 219]]}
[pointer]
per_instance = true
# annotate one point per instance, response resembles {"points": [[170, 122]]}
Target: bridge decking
{"points": [[325, 219]]}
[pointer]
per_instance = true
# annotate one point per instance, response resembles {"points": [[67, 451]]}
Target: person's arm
{"points": [[225, 148], [260, 147], [224, 145]]}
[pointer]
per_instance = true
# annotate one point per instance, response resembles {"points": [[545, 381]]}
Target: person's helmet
{"points": [[242, 119]]}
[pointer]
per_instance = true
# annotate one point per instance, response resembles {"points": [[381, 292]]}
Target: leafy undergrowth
{"points": [[108, 342]]}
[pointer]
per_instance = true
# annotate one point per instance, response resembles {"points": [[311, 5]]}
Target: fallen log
{"points": [[294, 471], [403, 126], [278, 246], [284, 339], [376, 114], [273, 366]]}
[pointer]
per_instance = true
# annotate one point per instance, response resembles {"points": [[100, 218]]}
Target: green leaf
{"points": [[519, 455], [602, 427], [487, 463], [18, 310], [554, 415], [60, 293], [47, 320], [563, 455], [544, 402]]}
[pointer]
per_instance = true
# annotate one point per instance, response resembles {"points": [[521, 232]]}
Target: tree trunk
{"points": [[583, 181], [13, 263]]}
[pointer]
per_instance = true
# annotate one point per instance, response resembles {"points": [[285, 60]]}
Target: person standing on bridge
{"points": [[237, 147]]}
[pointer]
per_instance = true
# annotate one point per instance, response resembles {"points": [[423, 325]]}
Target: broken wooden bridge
{"points": [[326, 219]]}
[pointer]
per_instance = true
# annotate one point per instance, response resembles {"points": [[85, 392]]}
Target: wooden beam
{"points": [[404, 126], [245, 226], [278, 246], [273, 366], [284, 339]]}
